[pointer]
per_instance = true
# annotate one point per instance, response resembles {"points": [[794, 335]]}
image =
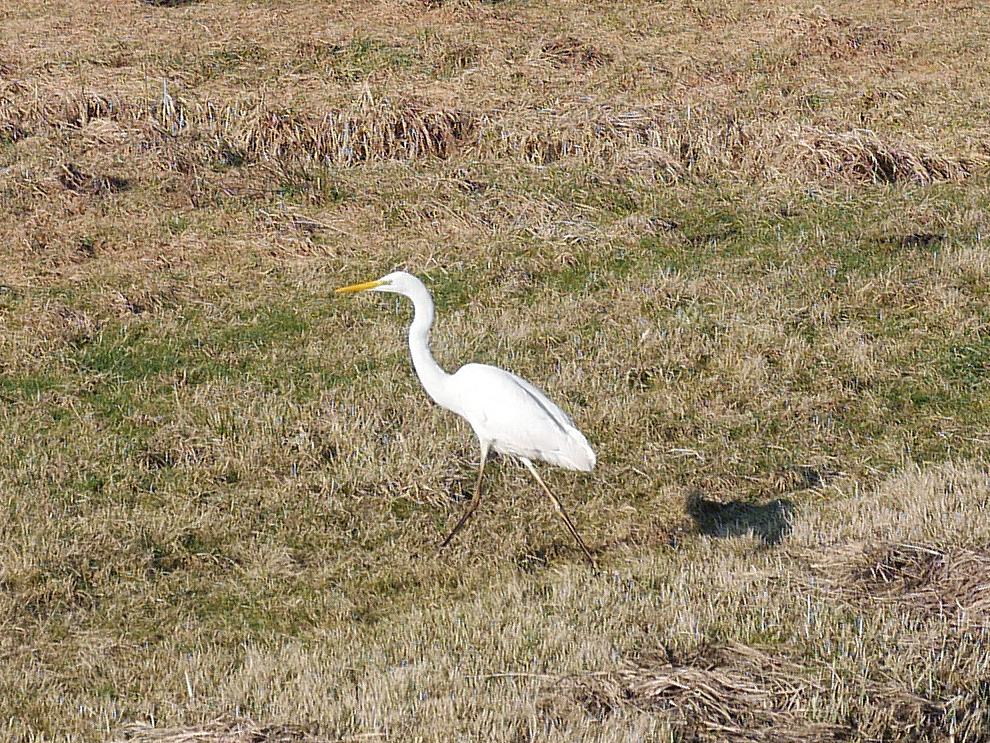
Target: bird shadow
{"points": [[770, 522]]}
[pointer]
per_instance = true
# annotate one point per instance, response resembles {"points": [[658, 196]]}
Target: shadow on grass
{"points": [[770, 521]]}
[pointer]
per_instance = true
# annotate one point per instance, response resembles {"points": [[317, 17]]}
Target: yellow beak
{"points": [[358, 287]]}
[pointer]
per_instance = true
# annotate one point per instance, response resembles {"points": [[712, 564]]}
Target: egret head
{"points": [[398, 282]]}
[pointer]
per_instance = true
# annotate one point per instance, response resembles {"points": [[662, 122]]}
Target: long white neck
{"points": [[430, 374]]}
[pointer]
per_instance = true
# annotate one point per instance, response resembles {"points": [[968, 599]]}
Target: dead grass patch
{"points": [[568, 51], [223, 731], [953, 582], [372, 129], [37, 112], [79, 182], [169, 3], [862, 155], [672, 145], [740, 693], [725, 692], [663, 143], [837, 37]]}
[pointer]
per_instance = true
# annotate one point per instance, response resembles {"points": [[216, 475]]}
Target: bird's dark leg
{"points": [[560, 509], [485, 446]]}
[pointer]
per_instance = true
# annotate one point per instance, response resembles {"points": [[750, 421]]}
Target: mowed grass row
{"points": [[746, 251]]}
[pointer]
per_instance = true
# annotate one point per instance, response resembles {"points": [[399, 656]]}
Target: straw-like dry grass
{"points": [[744, 244], [922, 578]]}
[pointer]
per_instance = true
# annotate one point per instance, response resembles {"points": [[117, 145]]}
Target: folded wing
{"points": [[517, 418]]}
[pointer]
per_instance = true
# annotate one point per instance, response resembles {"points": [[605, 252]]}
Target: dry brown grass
{"points": [[926, 579], [804, 92], [746, 692], [743, 244], [737, 693], [664, 143], [223, 731], [742, 693]]}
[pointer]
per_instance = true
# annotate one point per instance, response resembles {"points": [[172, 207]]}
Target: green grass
{"points": [[23, 387], [359, 59]]}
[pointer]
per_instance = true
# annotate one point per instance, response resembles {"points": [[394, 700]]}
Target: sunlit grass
{"points": [[744, 248]]}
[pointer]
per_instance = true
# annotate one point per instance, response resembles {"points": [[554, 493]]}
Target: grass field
{"points": [[744, 244]]}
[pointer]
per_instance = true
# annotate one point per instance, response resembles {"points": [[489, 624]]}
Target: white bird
{"points": [[508, 414]]}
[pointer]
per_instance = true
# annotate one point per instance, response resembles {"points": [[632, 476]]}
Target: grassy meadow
{"points": [[744, 244]]}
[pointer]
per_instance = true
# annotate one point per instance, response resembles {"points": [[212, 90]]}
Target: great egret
{"points": [[507, 413]]}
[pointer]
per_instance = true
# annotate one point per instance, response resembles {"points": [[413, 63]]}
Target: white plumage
{"points": [[508, 414], [517, 418]]}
